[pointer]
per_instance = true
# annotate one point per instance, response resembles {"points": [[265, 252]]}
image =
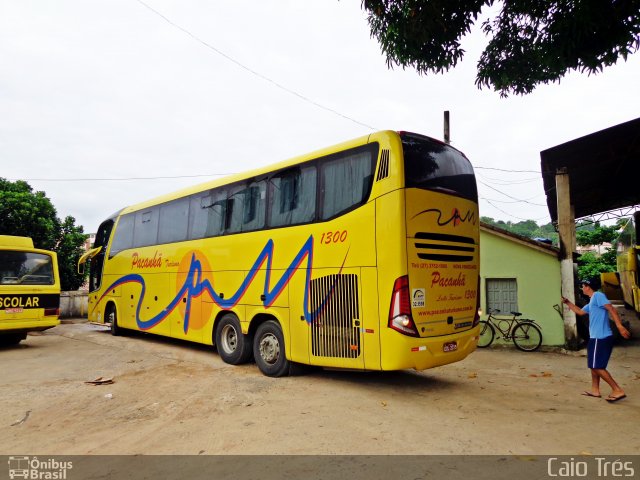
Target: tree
{"points": [[591, 265], [592, 233], [70, 248], [595, 234], [531, 41], [27, 213]]}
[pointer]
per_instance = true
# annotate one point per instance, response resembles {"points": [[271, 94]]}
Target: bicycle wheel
{"points": [[526, 336], [487, 333]]}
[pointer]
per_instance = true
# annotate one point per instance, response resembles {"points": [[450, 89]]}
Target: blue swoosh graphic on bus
{"points": [[194, 286]]}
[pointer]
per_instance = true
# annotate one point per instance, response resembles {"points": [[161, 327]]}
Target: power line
{"points": [[505, 170], [115, 179], [511, 215], [513, 198], [500, 181], [503, 201], [250, 70], [200, 175]]}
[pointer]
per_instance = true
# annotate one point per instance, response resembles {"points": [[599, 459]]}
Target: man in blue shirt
{"points": [[600, 339]]}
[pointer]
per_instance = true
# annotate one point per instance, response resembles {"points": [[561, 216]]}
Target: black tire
{"points": [[111, 316], [527, 337], [233, 346], [487, 334], [269, 350]]}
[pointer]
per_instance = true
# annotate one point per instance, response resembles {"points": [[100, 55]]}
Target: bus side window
{"points": [[293, 197], [217, 218], [346, 183], [207, 214], [123, 237], [174, 221], [247, 208], [145, 231]]}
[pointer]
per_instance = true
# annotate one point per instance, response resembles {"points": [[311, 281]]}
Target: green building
{"points": [[523, 275]]}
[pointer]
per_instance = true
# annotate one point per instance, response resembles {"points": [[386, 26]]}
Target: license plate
{"points": [[450, 346]]}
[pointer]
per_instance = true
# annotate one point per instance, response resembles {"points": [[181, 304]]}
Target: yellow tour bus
{"points": [[29, 289], [361, 256]]}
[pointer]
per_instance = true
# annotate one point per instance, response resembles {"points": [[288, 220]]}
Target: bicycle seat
{"points": [[516, 314]]}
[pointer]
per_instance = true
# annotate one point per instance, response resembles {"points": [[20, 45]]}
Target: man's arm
{"points": [[573, 307], [613, 313]]}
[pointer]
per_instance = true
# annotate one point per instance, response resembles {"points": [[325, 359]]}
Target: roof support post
{"points": [[567, 234]]}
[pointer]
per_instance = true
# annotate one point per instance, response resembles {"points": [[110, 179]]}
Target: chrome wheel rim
{"points": [[229, 338], [269, 348]]}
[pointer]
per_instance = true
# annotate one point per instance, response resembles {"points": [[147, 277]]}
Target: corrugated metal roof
{"points": [[603, 168]]}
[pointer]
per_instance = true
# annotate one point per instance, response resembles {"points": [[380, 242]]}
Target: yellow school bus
{"points": [[362, 256], [29, 289]]}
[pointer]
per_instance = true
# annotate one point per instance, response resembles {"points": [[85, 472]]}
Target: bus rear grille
{"points": [[440, 247], [333, 333], [383, 169]]}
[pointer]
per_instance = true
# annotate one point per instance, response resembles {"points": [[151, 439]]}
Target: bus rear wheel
{"points": [[268, 350], [233, 346]]}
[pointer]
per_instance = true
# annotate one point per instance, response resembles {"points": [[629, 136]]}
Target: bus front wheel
{"points": [[112, 317], [268, 350], [233, 346]]}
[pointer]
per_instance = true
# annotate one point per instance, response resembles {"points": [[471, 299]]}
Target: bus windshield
{"points": [[432, 165], [25, 268]]}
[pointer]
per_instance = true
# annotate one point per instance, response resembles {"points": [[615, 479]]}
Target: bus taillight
{"points": [[51, 312], [400, 311]]}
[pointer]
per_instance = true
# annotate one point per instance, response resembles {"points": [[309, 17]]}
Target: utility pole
{"points": [[447, 136]]}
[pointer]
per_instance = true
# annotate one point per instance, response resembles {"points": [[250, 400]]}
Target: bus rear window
{"points": [[25, 268], [432, 165]]}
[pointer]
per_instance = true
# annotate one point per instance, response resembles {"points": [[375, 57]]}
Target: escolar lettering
{"points": [[20, 302]]}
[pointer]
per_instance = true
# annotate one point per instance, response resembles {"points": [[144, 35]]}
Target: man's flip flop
{"points": [[615, 399], [589, 394]]}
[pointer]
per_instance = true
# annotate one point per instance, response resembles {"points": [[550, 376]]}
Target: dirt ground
{"points": [[170, 397]]}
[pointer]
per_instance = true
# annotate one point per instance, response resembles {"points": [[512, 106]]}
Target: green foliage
{"points": [[595, 234], [27, 213], [531, 41], [592, 233], [526, 228], [591, 265], [587, 233], [70, 248]]}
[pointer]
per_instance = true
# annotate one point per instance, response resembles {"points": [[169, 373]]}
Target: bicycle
{"points": [[525, 333]]}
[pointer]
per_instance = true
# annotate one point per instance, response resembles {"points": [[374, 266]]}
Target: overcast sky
{"points": [[112, 90]]}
